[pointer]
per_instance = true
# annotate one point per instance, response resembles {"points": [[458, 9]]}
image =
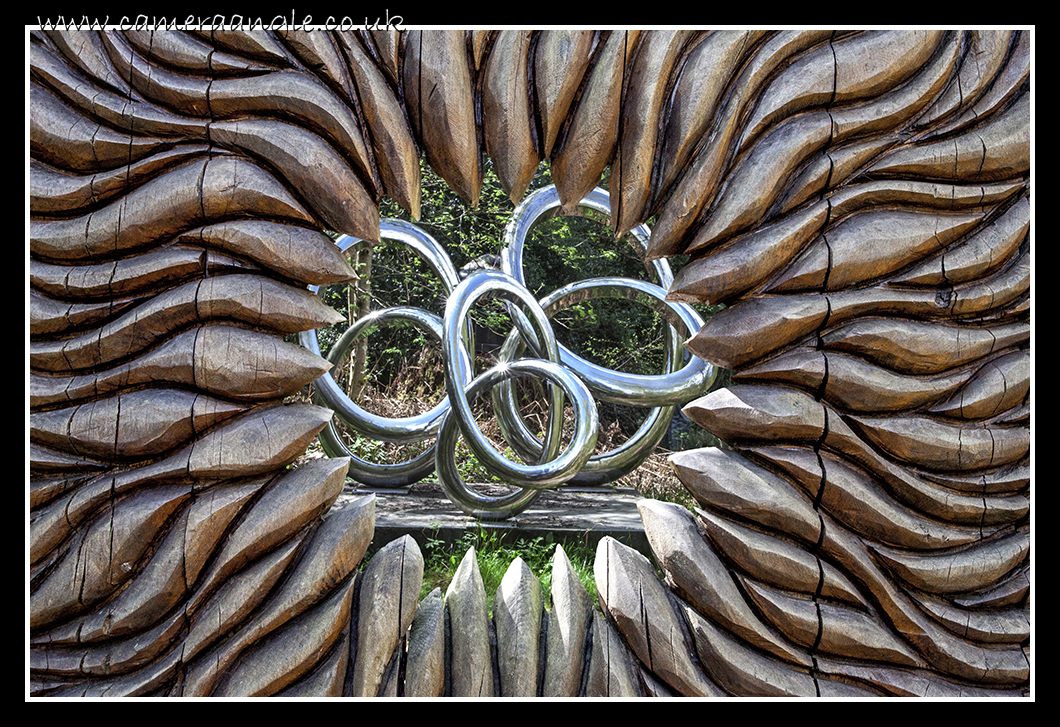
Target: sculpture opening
{"points": [[859, 202]]}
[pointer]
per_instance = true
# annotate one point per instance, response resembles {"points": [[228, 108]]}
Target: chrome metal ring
{"points": [[559, 468], [568, 375]]}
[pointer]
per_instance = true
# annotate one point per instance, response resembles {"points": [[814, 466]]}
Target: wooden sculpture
{"points": [[860, 201]]}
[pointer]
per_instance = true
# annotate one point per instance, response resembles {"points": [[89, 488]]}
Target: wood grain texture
{"points": [[858, 200]]}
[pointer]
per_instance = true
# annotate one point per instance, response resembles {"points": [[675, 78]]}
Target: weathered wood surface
{"points": [[440, 104], [859, 200], [173, 551], [517, 612], [465, 604], [390, 589], [877, 321], [507, 120]]}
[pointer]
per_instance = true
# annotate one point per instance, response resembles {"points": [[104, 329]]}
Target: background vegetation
{"points": [[402, 362], [397, 371], [495, 556]]}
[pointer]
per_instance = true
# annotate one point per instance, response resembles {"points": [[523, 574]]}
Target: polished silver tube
{"points": [[403, 429], [543, 202], [567, 375], [410, 429], [414, 428], [374, 474], [549, 473], [662, 393], [429, 250], [493, 284]]}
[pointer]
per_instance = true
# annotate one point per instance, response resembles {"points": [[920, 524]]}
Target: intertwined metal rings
{"points": [[569, 376]]}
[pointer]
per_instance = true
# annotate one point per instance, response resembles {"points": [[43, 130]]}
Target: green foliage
{"points": [[615, 333], [495, 556], [560, 250], [464, 232]]}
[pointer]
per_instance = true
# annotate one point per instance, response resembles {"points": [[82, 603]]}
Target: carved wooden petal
{"points": [[153, 423], [425, 669], [104, 557], [439, 98], [968, 569], [568, 626], [560, 62], [506, 113], [640, 607], [831, 628], [702, 578], [724, 480], [387, 603], [777, 561], [465, 603], [517, 612], [289, 652]]}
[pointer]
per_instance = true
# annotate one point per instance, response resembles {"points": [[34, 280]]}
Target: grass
{"points": [[441, 560], [654, 478], [413, 382]]}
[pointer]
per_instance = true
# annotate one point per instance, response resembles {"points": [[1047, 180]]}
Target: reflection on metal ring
{"points": [[569, 376], [549, 473]]}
